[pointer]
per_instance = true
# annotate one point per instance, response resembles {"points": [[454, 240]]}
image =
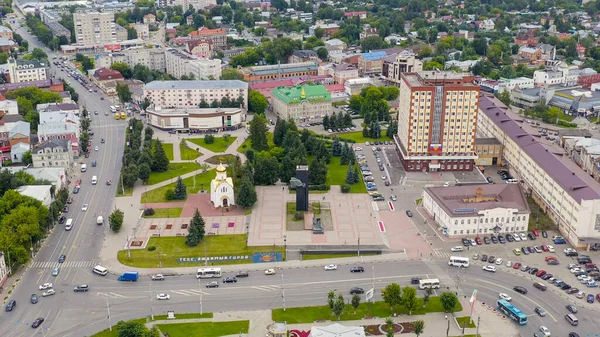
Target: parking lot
{"points": [[540, 262]]}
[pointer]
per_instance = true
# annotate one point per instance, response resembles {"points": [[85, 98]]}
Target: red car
{"points": [[517, 265], [78, 182], [548, 258], [545, 248], [70, 200], [478, 240], [540, 273], [591, 265], [536, 232], [598, 297]]}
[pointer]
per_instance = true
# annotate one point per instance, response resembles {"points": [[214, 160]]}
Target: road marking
{"points": [[381, 226], [189, 292], [266, 288], [374, 206], [391, 205], [510, 289]]}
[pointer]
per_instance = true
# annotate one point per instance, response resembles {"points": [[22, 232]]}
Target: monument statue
{"points": [[317, 226], [301, 184]]}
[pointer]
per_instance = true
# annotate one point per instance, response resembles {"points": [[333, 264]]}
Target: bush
{"points": [[323, 187], [170, 194], [151, 248], [345, 188], [566, 124], [149, 211], [298, 216], [209, 139], [347, 140]]}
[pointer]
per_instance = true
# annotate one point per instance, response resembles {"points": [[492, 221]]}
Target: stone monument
{"points": [[300, 183]]}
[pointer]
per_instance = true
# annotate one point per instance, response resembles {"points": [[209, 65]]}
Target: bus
{"points": [[459, 261], [512, 312], [431, 283], [208, 273]]}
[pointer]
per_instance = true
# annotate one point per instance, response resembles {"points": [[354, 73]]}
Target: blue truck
{"points": [[130, 276]]}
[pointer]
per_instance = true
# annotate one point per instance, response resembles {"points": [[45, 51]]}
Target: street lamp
{"points": [[285, 246]]}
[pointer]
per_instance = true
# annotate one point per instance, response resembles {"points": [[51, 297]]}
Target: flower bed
{"points": [[381, 329]]}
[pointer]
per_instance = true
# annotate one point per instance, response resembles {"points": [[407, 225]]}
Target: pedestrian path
{"points": [[437, 254], [67, 264]]}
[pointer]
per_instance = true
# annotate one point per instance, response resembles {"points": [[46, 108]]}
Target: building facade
{"points": [[53, 153], [217, 119], [405, 62], [27, 70], [218, 37], [179, 63], [280, 71], [489, 152], [568, 195], [94, 28], [221, 189], [438, 123], [477, 210], [187, 94], [301, 103]]}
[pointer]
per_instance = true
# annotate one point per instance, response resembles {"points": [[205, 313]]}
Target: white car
{"points": [[84, 207], [517, 238], [575, 270], [446, 184], [383, 177], [456, 249], [270, 272], [48, 292], [358, 148], [505, 297], [96, 148], [550, 248], [473, 242], [45, 286], [509, 263], [580, 294], [489, 268], [331, 267], [545, 330], [499, 261], [523, 237], [163, 297]]}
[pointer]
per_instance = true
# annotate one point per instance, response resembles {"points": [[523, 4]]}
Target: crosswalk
{"points": [[440, 255], [266, 288], [110, 295], [188, 292], [66, 264]]}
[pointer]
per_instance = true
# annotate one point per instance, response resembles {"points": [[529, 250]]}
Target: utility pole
{"points": [[108, 313], [200, 289], [282, 292], [477, 331], [358, 246], [151, 308], [128, 250]]}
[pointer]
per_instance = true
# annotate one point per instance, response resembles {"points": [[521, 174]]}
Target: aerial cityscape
{"points": [[300, 168]]}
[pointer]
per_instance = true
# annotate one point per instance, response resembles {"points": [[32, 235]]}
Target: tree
{"points": [[246, 193], [336, 147], [338, 306], [266, 169], [426, 296], [317, 172], [27, 158], [124, 93], [322, 53], [160, 162], [257, 102], [115, 220], [281, 129], [87, 64], [392, 295], [504, 97], [258, 133], [231, 74], [38, 54], [350, 176], [180, 192], [331, 299], [135, 329], [123, 68], [448, 300], [409, 299], [144, 172], [419, 327], [389, 325], [196, 230], [355, 302]]}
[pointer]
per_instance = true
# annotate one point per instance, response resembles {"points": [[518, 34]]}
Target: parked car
{"points": [[356, 290]]}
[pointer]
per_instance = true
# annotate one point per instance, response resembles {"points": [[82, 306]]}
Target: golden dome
{"points": [[221, 168]]}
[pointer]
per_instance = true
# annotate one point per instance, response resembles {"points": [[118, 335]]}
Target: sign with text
{"points": [[213, 258], [266, 257]]}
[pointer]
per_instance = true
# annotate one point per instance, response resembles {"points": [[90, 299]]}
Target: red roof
{"points": [[335, 88], [206, 31], [105, 74]]}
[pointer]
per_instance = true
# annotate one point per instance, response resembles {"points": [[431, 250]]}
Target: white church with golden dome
{"points": [[221, 189]]}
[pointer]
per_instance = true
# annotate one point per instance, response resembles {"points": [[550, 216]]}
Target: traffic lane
{"points": [[494, 283]]}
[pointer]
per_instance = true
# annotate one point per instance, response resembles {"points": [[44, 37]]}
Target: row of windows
{"points": [[485, 230], [491, 220]]}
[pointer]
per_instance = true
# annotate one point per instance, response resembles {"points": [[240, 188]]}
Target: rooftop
{"points": [[299, 94], [191, 85], [34, 191], [468, 200], [565, 173], [487, 141]]}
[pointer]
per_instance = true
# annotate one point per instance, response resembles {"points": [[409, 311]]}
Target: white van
{"points": [[100, 220], [83, 167], [512, 181], [94, 180], [69, 224], [113, 109], [100, 270]]}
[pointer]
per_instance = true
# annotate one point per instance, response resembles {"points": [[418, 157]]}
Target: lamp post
{"points": [[285, 246], [282, 292], [358, 246], [200, 289], [151, 302], [108, 314]]}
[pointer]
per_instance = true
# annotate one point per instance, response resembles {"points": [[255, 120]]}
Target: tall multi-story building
{"points": [[301, 103], [180, 63], [26, 70], [437, 121], [218, 36], [182, 94], [94, 28], [196, 4], [405, 62]]}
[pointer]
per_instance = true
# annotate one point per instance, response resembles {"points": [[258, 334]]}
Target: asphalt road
{"points": [[82, 244]]}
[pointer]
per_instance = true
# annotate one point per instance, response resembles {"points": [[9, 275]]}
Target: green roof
{"points": [[293, 95]]}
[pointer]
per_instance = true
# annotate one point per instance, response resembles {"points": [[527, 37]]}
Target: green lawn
{"points": [[187, 153], [172, 248], [115, 331], [220, 145], [359, 138], [246, 144], [174, 171], [216, 160], [538, 219], [465, 321], [201, 180], [168, 147], [329, 256], [336, 175], [378, 309], [205, 329], [165, 213]]}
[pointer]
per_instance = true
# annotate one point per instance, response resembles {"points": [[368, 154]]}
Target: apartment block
{"points": [[218, 37], [405, 62], [182, 94], [179, 63], [153, 58], [196, 4], [280, 71], [569, 196], [94, 28], [437, 121], [26, 70]]}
